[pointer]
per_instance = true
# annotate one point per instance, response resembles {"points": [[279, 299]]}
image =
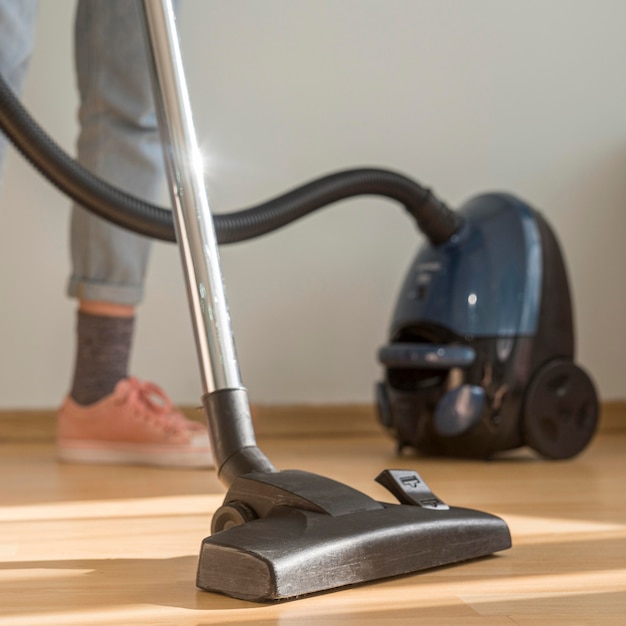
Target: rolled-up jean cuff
{"points": [[102, 292]]}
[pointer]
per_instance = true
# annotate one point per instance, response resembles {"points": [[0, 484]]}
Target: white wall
{"points": [[526, 96]]}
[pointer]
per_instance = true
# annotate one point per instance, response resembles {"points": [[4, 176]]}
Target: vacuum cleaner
{"points": [[480, 357], [459, 368]]}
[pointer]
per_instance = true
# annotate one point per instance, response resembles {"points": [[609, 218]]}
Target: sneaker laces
{"points": [[149, 401]]}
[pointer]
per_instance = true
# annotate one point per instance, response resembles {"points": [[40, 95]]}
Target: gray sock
{"points": [[102, 354]]}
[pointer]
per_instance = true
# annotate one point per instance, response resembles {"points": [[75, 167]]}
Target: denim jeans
{"points": [[118, 141]]}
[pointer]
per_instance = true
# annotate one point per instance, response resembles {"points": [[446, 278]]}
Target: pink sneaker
{"points": [[135, 425]]}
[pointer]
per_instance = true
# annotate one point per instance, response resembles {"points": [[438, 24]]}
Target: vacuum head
{"points": [[292, 533], [480, 358]]}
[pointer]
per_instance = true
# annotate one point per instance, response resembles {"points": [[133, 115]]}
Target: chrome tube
{"points": [[192, 217]]}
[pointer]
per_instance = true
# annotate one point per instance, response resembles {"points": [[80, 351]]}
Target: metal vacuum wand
{"points": [[290, 533], [225, 397]]}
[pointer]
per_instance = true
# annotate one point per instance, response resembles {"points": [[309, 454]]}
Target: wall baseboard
{"points": [[25, 426]]}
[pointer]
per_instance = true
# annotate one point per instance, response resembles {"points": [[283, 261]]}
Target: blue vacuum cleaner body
{"points": [[481, 350]]}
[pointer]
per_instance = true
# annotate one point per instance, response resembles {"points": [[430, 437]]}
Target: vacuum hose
{"points": [[436, 221]]}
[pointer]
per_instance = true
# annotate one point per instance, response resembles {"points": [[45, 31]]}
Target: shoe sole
{"points": [[88, 453]]}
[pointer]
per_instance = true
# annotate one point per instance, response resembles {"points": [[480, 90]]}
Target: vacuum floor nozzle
{"points": [[289, 534]]}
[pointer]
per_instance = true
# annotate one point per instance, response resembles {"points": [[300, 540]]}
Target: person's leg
{"points": [[108, 416], [119, 141], [17, 38], [104, 332]]}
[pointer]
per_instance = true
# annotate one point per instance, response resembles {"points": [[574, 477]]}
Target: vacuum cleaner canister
{"points": [[480, 358]]}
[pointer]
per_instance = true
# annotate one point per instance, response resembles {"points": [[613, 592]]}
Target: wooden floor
{"points": [[104, 545]]}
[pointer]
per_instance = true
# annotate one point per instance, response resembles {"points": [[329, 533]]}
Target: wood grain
{"points": [[116, 545]]}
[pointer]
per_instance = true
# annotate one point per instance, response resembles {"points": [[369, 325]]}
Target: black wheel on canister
{"points": [[560, 410]]}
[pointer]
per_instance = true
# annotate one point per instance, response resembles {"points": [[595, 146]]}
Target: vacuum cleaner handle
{"points": [[228, 413], [426, 355]]}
